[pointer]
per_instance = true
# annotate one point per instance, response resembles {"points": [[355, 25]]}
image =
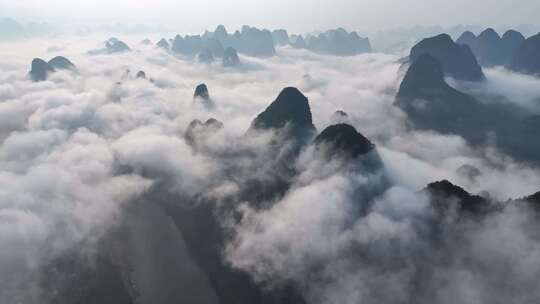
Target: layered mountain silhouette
{"points": [[458, 61], [490, 49], [40, 69], [526, 59], [250, 41], [431, 104], [338, 42]]}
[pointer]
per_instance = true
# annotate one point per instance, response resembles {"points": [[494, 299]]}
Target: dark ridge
{"points": [[40, 70], [146, 42], [526, 59], [457, 61], [446, 195], [163, 44], [201, 91], [344, 139], [290, 107], [61, 63], [426, 72], [230, 58]]}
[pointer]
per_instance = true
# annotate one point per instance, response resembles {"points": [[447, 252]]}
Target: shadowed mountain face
{"points": [[446, 196], [61, 63], [526, 59], [40, 70], [431, 104], [344, 139], [114, 45], [458, 61], [290, 108], [490, 48]]}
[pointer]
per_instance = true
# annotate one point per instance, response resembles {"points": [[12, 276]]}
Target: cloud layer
{"points": [[78, 148]]}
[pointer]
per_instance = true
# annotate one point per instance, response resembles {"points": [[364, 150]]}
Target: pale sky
{"points": [[295, 15]]}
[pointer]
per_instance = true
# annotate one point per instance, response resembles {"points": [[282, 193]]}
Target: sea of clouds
{"points": [[65, 144]]}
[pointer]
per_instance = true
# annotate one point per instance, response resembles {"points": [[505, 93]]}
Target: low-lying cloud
{"points": [[66, 144]]}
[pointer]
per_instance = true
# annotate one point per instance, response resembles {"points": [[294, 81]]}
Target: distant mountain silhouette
{"points": [[338, 42], [250, 41], [280, 37], [163, 44], [490, 49], [146, 42], [526, 59], [457, 60], [230, 58]]}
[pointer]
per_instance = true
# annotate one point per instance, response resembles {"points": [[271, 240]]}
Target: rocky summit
{"points": [[458, 61]]}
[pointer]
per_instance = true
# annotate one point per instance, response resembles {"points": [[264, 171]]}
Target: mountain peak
{"points": [[526, 59], [425, 72], [458, 61], [445, 194], [40, 69], [343, 138], [201, 91], [61, 63], [290, 107]]}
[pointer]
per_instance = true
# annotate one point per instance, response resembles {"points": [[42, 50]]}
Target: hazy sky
{"points": [[296, 15]]}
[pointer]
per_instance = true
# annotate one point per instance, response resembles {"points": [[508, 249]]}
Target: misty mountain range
{"points": [[296, 170]]}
